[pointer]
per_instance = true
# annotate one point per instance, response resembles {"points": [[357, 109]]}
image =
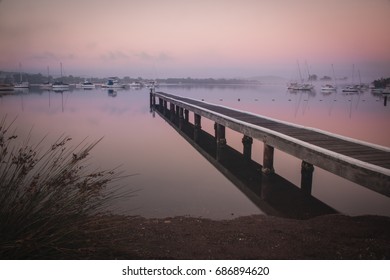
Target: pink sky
{"points": [[199, 38]]}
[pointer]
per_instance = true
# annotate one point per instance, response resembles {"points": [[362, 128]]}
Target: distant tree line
{"points": [[12, 77], [382, 83], [207, 81]]}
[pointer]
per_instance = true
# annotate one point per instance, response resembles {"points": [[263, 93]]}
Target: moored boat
{"points": [[60, 86], [300, 86], [87, 85], [6, 87], [112, 83], [328, 88], [350, 88], [21, 83]]}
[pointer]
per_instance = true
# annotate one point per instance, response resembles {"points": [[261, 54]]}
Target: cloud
{"points": [[114, 55], [47, 55], [160, 57]]}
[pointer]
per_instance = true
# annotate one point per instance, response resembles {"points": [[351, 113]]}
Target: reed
{"points": [[49, 196]]}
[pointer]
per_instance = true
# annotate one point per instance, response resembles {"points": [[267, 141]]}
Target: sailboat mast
{"points": [[20, 71], [300, 74], [334, 76], [308, 72]]}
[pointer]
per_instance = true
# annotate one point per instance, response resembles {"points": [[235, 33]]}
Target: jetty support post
{"points": [[268, 160], [197, 127], [306, 177], [160, 102], [172, 112], [165, 107], [247, 147], [186, 115], [221, 140], [181, 118]]}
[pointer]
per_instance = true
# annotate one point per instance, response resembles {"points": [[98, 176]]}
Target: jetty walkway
{"points": [[363, 163]]}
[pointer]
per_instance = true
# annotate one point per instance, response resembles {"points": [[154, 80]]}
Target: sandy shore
{"points": [[251, 237]]}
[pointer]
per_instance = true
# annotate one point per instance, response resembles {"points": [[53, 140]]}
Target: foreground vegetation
{"points": [[48, 196]]}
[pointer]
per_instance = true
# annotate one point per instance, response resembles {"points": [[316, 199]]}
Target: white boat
{"points": [[152, 84], [113, 83], [46, 85], [295, 86], [300, 86], [377, 90], [87, 85], [60, 86], [136, 85], [350, 88], [328, 88], [21, 84]]}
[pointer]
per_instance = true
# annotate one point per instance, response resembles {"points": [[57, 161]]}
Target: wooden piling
{"points": [[247, 147], [221, 141], [197, 127], [307, 170], [268, 160], [181, 118]]}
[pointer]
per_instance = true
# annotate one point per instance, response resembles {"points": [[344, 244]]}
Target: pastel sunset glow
{"points": [[178, 38]]}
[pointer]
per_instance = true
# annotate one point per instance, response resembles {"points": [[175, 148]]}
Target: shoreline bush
{"points": [[48, 196]]}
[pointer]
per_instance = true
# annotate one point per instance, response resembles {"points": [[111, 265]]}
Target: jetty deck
{"points": [[358, 161]]}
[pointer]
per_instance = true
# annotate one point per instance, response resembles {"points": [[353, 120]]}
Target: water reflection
{"points": [[272, 194], [175, 179]]}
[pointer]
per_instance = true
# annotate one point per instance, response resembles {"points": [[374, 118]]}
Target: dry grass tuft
{"points": [[47, 198]]}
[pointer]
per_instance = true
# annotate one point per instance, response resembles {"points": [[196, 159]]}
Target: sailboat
{"points": [[294, 86], [330, 87], [60, 85], [21, 84], [46, 85], [352, 87]]}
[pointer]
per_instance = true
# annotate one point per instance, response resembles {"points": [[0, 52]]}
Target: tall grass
{"points": [[47, 197]]}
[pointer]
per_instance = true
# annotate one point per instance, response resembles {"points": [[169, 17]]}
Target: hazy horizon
{"points": [[198, 39]]}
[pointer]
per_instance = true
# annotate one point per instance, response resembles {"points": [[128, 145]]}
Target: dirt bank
{"points": [[252, 237]]}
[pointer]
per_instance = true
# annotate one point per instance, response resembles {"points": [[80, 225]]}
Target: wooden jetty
{"points": [[363, 163], [273, 195]]}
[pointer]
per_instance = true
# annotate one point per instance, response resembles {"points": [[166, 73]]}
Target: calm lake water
{"points": [[173, 178]]}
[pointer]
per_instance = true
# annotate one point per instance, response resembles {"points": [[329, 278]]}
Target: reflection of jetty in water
{"points": [[273, 194]]}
